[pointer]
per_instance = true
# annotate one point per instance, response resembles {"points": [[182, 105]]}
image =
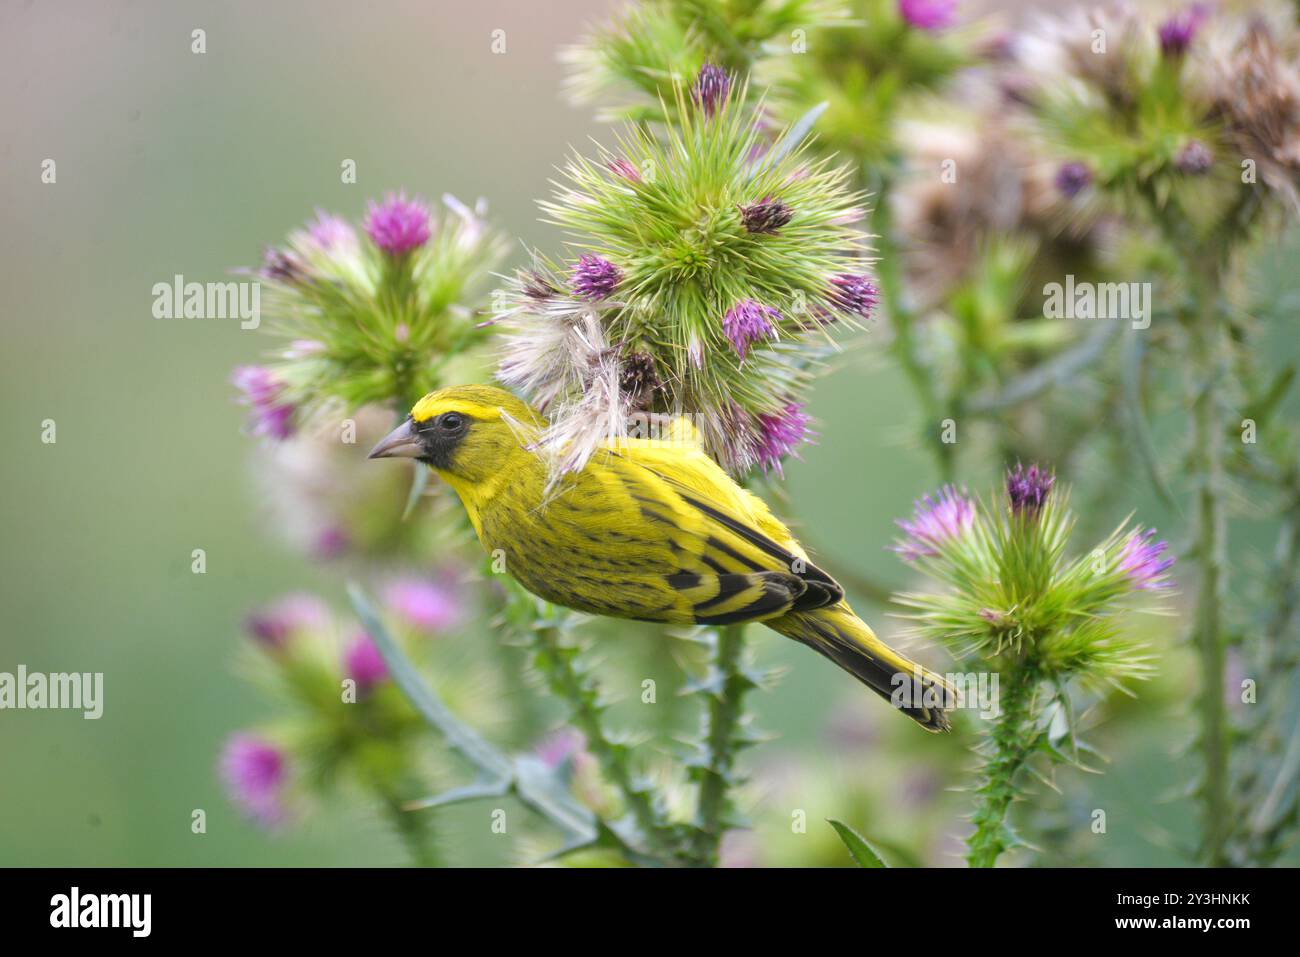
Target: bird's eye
{"points": [[453, 421]]}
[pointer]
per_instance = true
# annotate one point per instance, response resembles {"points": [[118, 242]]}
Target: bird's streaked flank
{"points": [[650, 529]]}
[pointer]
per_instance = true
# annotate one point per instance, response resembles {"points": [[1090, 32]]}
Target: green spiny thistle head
{"points": [[1014, 598], [369, 315], [708, 269], [631, 63]]}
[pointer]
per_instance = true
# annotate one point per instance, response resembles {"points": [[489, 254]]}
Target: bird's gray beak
{"points": [[402, 442]]}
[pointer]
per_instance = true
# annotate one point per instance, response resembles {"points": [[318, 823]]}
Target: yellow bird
{"points": [[649, 529]]}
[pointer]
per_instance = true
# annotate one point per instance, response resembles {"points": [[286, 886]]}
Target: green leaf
{"points": [[863, 853]]}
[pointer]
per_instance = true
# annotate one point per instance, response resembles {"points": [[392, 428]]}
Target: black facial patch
{"points": [[440, 436]]}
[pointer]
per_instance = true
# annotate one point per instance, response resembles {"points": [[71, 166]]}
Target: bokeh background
{"points": [[170, 162]]}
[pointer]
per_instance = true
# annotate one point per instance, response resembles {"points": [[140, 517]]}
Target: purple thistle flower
{"points": [[765, 216], [1194, 158], [331, 542], [927, 14], [283, 266], [621, 167], [935, 522], [254, 773], [1072, 179], [560, 746], [423, 604], [1176, 33], [710, 88], [329, 232], [747, 322], [1027, 488], [854, 294], [363, 663], [261, 393], [779, 433], [274, 625], [397, 225], [595, 277], [1140, 559]]}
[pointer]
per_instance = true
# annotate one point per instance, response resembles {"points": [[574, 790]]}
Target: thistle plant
{"points": [[348, 727], [631, 65], [1045, 623], [708, 274], [715, 259], [1185, 122], [370, 315]]}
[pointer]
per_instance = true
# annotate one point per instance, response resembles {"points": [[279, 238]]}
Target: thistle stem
{"points": [[1009, 746], [581, 695], [1205, 369], [722, 723]]}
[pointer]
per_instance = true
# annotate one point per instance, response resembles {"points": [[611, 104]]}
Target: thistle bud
{"points": [[1027, 489], [747, 322], [1142, 560], [1194, 158], [927, 14], [363, 663], [1176, 33], [275, 626], [397, 225], [594, 278], [854, 295], [779, 434], [765, 216], [1072, 179], [711, 88], [254, 773], [935, 522]]}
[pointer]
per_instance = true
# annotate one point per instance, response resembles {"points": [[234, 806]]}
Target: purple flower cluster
{"points": [[1072, 179], [711, 88], [779, 433], [748, 321], [283, 266], [854, 294], [363, 663], [330, 232], [254, 773], [595, 278], [1177, 33], [397, 225], [928, 14], [424, 605], [262, 393], [1194, 158], [765, 216], [935, 521], [1142, 560], [276, 624], [560, 747], [1028, 488]]}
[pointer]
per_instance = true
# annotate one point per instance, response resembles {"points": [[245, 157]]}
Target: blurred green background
{"points": [[170, 162]]}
